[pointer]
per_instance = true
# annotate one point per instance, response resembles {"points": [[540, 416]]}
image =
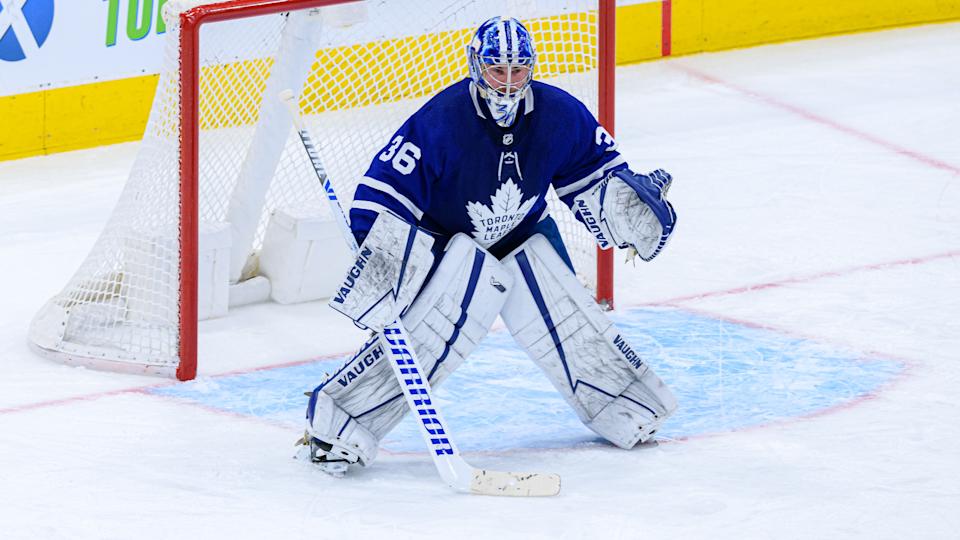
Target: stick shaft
{"points": [[416, 388], [454, 470]]}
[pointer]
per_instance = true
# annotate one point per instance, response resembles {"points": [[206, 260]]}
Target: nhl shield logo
{"points": [[508, 138]]}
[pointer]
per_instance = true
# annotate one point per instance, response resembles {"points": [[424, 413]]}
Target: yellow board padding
{"points": [[75, 117], [232, 84], [21, 125], [712, 25], [394, 69], [426, 65], [420, 66], [638, 32], [115, 113], [687, 27]]}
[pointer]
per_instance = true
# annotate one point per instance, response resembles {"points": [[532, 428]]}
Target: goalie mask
{"points": [[501, 59]]}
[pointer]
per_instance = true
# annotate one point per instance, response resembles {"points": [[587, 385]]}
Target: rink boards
{"points": [[62, 117]]}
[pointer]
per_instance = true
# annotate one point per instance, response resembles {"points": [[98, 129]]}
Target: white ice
{"points": [[818, 189]]}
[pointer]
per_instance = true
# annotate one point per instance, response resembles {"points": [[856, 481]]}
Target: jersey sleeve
{"points": [[592, 156], [398, 181]]}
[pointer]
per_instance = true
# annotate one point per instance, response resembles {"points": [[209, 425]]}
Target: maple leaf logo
{"points": [[491, 223]]}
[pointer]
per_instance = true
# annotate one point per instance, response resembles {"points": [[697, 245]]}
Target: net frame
{"points": [[191, 21]]}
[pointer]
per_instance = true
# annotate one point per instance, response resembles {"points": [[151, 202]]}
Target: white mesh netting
{"points": [[367, 75]]}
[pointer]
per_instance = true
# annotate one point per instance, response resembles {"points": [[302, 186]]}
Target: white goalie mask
{"points": [[501, 57]]}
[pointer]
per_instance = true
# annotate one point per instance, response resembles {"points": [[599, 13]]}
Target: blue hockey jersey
{"points": [[450, 168]]}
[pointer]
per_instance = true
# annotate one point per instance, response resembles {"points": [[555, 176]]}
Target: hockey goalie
{"points": [[454, 230]]}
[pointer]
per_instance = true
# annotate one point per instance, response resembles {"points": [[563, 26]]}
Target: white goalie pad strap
{"points": [[629, 210], [389, 270], [612, 390], [445, 323]]}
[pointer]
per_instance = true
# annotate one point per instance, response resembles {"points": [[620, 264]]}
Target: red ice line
{"points": [[146, 389], [813, 117], [804, 279], [76, 399]]}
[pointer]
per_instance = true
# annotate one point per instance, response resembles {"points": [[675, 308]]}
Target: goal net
{"points": [[222, 208]]}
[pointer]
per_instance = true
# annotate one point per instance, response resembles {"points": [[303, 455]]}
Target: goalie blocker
{"points": [[350, 413], [391, 266]]}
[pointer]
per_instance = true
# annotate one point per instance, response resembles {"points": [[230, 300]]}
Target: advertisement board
{"points": [[54, 43], [48, 44]]}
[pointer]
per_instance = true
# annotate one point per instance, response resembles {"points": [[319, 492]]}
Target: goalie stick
{"points": [[456, 472]]}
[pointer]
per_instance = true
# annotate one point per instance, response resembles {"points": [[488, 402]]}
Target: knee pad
{"points": [[451, 315], [613, 391]]}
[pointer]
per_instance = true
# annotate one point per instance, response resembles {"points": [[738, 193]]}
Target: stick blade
{"points": [[507, 484]]}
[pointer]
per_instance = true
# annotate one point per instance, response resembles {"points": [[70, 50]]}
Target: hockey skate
{"points": [[330, 459]]}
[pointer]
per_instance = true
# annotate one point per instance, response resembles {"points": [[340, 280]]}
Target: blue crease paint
{"points": [[726, 377]]}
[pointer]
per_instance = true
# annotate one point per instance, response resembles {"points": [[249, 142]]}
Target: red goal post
{"points": [[95, 321]]}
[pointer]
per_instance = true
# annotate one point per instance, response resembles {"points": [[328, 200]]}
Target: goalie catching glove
{"points": [[390, 268], [629, 210]]}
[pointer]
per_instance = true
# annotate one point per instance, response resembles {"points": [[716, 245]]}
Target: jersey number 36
{"points": [[404, 155]]}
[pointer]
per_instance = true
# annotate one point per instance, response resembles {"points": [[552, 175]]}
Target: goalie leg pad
{"points": [[612, 390], [390, 268], [358, 405]]}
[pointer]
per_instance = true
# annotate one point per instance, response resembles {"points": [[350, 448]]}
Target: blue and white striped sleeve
{"points": [[593, 156], [396, 181]]}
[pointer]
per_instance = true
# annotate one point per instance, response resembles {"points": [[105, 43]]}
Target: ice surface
{"points": [[807, 313], [728, 376]]}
